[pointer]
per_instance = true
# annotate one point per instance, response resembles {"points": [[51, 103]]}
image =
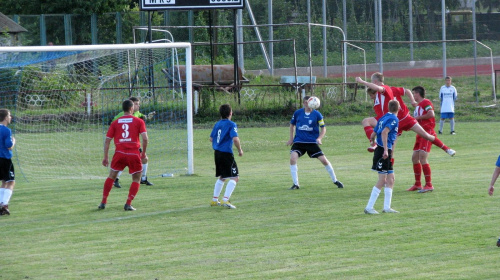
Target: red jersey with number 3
{"points": [[381, 102], [398, 93], [422, 108], [125, 131]]}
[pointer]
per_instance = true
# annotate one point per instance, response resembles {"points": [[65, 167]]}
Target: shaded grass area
{"points": [[317, 232]]}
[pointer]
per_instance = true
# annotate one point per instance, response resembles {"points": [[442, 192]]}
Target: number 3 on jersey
{"points": [[125, 132]]}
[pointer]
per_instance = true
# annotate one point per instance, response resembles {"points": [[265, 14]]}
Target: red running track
{"points": [[453, 71]]}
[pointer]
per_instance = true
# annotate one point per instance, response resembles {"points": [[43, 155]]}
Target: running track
{"points": [[453, 71]]}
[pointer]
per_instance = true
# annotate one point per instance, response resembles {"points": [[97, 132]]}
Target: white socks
{"points": [[144, 171], [229, 189], [452, 125], [119, 174], [295, 175], [329, 168], [387, 198], [217, 189], [441, 123], [5, 198], [373, 198]]}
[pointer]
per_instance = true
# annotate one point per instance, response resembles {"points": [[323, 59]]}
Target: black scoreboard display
{"points": [[153, 5]]}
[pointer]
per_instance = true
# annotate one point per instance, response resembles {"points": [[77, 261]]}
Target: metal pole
{"points": [[443, 28], [475, 47], [308, 11], [43, 31], [410, 15], [210, 30], [189, 111], [235, 55], [191, 23], [310, 53], [93, 28], [325, 51], [271, 37], [375, 17], [381, 66], [118, 18], [241, 58], [344, 20], [68, 35]]}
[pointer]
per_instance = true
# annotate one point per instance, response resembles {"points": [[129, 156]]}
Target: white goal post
{"points": [[30, 101]]}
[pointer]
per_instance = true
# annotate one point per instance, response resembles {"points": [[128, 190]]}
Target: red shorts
{"points": [[422, 144], [127, 159], [406, 124]]}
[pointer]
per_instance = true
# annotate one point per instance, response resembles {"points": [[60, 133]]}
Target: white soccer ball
{"points": [[313, 102]]}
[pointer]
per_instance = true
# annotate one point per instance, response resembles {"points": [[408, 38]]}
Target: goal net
{"points": [[63, 99]]}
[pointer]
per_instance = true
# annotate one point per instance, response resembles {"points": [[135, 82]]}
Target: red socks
{"points": [[368, 131], [134, 188], [417, 169], [440, 144], [108, 185], [426, 168]]}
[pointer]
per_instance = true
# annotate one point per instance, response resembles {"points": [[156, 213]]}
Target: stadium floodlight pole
{"points": [[475, 47], [443, 28], [271, 35], [410, 15], [325, 53], [381, 66]]}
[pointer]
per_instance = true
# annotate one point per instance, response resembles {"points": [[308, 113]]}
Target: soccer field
{"points": [[318, 232]]}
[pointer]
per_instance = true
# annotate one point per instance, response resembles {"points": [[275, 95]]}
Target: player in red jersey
{"points": [[424, 114], [125, 131], [407, 122], [383, 94]]}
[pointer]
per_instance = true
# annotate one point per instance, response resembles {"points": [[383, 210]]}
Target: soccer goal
{"points": [[63, 99]]}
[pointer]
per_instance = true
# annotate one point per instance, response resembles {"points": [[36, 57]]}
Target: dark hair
{"points": [[306, 97], [370, 91], [225, 111], [3, 114], [393, 106], [447, 78], [134, 99], [127, 105], [420, 90]]}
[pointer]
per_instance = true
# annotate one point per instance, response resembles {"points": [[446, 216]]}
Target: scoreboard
{"points": [[153, 5]]}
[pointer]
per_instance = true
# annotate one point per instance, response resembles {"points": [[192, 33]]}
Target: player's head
{"points": [[128, 106], [418, 93], [393, 106], [137, 103], [225, 111], [5, 115], [377, 78], [304, 101], [447, 80], [372, 93]]}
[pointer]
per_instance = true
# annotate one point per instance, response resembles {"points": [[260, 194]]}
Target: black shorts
{"points": [[379, 163], [225, 165], [6, 170], [312, 149]]}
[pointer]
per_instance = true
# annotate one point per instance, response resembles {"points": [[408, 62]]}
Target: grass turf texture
{"points": [[318, 232]]}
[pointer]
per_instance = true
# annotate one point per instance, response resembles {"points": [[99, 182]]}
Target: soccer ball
{"points": [[313, 102]]}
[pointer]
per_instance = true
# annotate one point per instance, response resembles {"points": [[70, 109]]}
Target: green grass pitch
{"points": [[318, 232]]}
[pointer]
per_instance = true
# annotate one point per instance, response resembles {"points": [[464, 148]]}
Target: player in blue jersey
{"points": [[385, 133], [491, 189], [7, 175], [224, 134], [309, 128]]}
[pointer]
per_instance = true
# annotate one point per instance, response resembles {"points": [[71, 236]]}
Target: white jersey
{"points": [[448, 96]]}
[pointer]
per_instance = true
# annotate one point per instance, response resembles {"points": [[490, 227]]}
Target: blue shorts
{"points": [[498, 162], [447, 115]]}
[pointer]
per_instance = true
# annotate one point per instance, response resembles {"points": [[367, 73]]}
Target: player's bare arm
{"points": [[321, 135], [144, 137], [493, 180], [211, 139], [372, 138], [290, 140], [370, 85], [236, 141], [410, 96], [385, 134], [105, 161]]}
